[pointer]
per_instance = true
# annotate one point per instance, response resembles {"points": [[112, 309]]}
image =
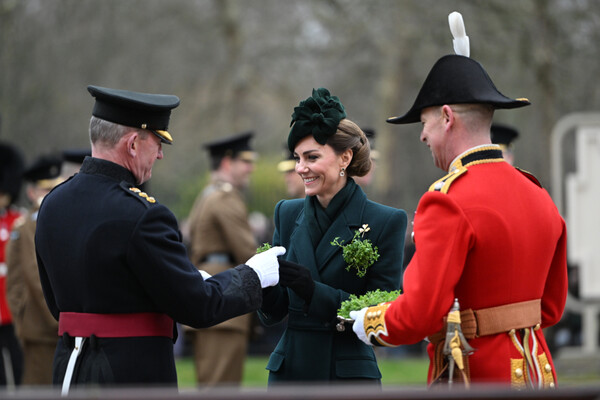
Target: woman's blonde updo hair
{"points": [[350, 136]]}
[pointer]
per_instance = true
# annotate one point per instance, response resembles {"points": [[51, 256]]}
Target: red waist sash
{"points": [[115, 325]]}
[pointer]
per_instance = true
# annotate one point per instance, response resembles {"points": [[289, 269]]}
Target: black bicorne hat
{"points": [[139, 110], [456, 79]]}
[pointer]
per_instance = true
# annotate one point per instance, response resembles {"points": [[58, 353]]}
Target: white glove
{"points": [[359, 325], [266, 266], [205, 275]]}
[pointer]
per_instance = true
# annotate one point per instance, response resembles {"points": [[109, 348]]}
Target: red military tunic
{"points": [[488, 235], [7, 219]]}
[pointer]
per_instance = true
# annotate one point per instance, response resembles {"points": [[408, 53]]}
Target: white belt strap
{"points": [[8, 370], [71, 365]]}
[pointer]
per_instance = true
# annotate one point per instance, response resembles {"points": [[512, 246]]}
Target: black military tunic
{"points": [[105, 248]]}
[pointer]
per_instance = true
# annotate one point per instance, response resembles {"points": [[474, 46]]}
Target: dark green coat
{"points": [[311, 348]]}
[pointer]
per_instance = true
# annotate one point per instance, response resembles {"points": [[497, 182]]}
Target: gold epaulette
{"points": [[144, 195], [443, 184]]}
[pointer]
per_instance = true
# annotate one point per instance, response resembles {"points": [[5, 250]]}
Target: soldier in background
{"points": [[293, 182], [504, 136], [35, 327], [365, 181], [221, 238], [11, 170], [72, 160]]}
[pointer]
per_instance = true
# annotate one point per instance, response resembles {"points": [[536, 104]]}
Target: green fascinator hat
{"points": [[319, 115]]}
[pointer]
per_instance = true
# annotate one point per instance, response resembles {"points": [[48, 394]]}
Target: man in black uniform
{"points": [[113, 267]]}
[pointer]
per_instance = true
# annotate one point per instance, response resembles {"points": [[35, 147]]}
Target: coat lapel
{"points": [[343, 227], [302, 247]]}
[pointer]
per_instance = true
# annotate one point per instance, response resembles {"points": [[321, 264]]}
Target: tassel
{"points": [[457, 28]]}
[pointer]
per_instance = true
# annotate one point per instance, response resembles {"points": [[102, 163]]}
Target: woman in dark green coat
{"points": [[329, 149]]}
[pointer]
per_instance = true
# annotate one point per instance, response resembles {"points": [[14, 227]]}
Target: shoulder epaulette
{"points": [[529, 176], [138, 193], [443, 184]]}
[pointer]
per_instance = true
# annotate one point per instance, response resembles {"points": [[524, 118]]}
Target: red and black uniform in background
{"points": [[11, 177]]}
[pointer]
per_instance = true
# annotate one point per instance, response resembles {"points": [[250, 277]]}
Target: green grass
{"points": [[395, 371]]}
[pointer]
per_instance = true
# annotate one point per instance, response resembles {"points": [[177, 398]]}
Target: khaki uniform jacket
{"points": [[31, 316], [219, 225]]}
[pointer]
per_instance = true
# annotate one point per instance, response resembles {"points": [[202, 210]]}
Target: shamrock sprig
{"points": [[371, 298], [359, 253], [264, 247]]}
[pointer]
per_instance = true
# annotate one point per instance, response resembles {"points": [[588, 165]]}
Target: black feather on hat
{"points": [[457, 79]]}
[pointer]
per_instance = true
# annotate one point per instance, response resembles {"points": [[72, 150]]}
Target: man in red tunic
{"points": [[11, 170], [487, 235]]}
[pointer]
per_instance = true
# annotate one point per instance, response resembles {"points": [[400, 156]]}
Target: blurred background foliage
{"points": [[244, 64]]}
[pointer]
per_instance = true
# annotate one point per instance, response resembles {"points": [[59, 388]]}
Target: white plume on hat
{"points": [[461, 40]]}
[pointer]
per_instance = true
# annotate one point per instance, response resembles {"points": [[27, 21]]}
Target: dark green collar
{"points": [[320, 219]]}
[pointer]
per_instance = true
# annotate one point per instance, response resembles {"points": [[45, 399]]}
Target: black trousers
{"points": [[11, 353]]}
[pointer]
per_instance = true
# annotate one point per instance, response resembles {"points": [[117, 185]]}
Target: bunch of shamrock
{"points": [[359, 253]]}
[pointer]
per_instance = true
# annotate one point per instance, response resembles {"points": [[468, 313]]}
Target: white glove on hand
{"points": [[359, 325], [205, 275], [266, 266]]}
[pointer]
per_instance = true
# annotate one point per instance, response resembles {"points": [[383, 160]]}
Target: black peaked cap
{"points": [[139, 110], [44, 167], [503, 134], [230, 145]]}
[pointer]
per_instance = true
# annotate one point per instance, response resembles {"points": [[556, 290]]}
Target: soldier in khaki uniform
{"points": [[294, 183], [221, 238], [35, 327]]}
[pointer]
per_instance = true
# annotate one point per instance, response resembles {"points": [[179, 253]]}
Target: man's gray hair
{"points": [[109, 133]]}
